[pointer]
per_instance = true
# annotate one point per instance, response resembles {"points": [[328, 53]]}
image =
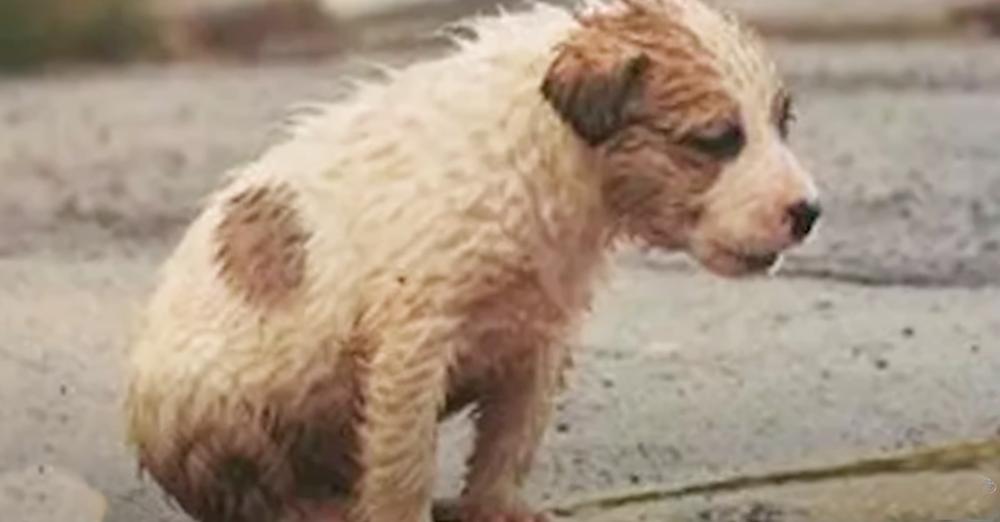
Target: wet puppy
{"points": [[431, 244]]}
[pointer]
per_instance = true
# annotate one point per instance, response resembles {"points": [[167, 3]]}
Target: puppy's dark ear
{"points": [[592, 96]]}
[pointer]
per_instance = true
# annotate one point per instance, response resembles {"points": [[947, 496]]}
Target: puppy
{"points": [[432, 243]]}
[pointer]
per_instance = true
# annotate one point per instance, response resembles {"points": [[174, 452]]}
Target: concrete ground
{"points": [[879, 338]]}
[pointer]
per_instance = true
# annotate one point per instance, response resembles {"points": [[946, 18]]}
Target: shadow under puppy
{"points": [[432, 243]]}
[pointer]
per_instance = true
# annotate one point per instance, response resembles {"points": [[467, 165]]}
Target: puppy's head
{"points": [[689, 124]]}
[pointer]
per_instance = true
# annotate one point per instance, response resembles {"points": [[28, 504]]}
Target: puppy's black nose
{"points": [[803, 216]]}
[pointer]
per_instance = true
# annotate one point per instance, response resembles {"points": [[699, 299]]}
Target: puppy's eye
{"points": [[722, 141], [785, 116]]}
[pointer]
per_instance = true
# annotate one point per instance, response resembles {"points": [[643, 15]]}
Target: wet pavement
{"points": [[879, 339]]}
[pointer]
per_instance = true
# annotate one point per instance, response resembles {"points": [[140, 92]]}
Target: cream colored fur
{"points": [[457, 228]]}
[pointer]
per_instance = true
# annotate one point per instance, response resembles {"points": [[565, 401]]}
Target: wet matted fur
{"points": [[433, 242]]}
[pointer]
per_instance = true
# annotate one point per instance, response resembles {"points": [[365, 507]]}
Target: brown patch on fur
{"points": [[592, 97], [658, 140], [683, 88], [260, 458], [226, 468], [653, 184], [680, 168], [635, 66], [261, 251]]}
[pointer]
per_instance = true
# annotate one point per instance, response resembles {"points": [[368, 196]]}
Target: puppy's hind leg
{"points": [[511, 420]]}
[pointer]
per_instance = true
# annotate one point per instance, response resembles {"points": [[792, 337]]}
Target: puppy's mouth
{"points": [[738, 263], [756, 263]]}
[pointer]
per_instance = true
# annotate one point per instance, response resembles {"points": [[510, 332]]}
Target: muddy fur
{"points": [[433, 242]]}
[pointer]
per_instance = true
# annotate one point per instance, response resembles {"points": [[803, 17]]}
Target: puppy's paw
{"points": [[319, 512], [453, 510], [487, 513]]}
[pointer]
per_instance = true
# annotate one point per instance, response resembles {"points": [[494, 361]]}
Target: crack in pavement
{"points": [[962, 456]]}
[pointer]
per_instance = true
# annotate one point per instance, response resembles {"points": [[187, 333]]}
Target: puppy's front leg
{"points": [[402, 394], [512, 416]]}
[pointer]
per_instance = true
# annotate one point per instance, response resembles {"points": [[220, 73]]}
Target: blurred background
{"points": [[879, 339], [37, 33]]}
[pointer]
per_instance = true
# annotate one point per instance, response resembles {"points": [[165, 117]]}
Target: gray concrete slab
{"points": [[689, 378]]}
